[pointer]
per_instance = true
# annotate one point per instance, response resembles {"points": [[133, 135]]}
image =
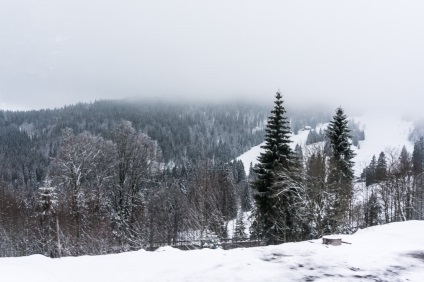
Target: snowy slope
{"points": [[251, 155], [382, 131], [393, 252]]}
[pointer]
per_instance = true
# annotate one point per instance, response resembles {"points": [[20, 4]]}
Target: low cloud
{"points": [[358, 54]]}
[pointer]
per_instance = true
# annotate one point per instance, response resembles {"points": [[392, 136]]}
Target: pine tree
{"points": [[372, 210], [239, 232], [340, 171], [275, 187], [381, 168], [252, 176], [370, 172], [314, 137], [418, 156], [338, 133], [242, 185]]}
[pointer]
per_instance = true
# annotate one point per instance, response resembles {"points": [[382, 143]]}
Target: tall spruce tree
{"points": [[340, 172], [381, 168], [418, 156], [338, 133], [275, 186], [370, 172], [239, 232]]}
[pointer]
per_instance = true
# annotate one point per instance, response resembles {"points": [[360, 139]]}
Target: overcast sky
{"points": [[57, 52]]}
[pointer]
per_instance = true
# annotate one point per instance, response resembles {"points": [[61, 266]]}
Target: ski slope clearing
{"points": [[392, 252], [383, 132], [251, 155]]}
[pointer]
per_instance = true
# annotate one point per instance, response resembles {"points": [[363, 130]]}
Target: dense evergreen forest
{"points": [[120, 175], [185, 132]]}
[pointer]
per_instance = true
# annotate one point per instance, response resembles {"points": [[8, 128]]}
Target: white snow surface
{"points": [[252, 155], [392, 252], [383, 132]]}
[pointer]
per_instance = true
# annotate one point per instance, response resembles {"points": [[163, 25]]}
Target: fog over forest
{"points": [[127, 126], [350, 53]]}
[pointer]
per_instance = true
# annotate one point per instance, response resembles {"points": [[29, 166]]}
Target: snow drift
{"points": [[392, 252]]}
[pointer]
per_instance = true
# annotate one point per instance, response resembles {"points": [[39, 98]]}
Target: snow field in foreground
{"points": [[392, 252]]}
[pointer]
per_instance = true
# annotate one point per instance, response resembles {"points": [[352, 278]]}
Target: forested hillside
{"points": [[135, 172], [183, 131], [113, 176]]}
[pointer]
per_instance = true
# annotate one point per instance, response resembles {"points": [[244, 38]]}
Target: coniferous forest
{"points": [[114, 176]]}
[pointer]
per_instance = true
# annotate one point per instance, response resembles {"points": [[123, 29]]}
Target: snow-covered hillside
{"points": [[251, 155], [382, 131], [393, 252]]}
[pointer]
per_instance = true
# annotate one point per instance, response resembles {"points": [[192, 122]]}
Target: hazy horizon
{"points": [[361, 55]]}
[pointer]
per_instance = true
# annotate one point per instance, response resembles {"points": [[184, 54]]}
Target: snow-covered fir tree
{"points": [[239, 232], [370, 172], [276, 187], [338, 133], [418, 156], [372, 210], [340, 172], [381, 168]]}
